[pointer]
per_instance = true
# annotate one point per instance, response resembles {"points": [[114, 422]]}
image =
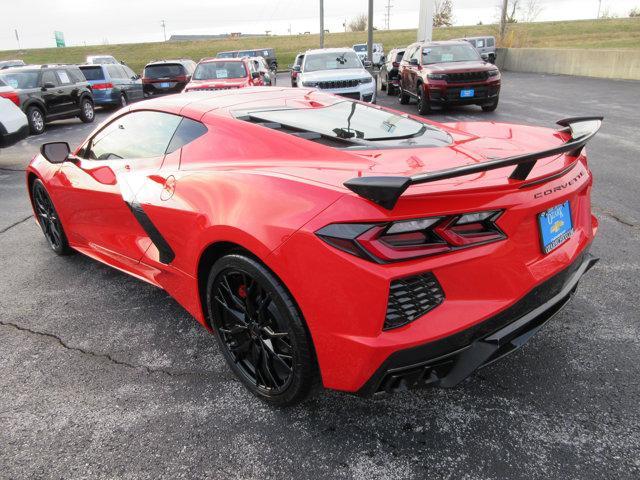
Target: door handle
{"points": [[59, 91]]}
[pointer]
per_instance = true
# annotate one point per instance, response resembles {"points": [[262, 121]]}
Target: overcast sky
{"points": [[96, 22]]}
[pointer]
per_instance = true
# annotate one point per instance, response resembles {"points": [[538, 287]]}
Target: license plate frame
{"points": [[556, 226]]}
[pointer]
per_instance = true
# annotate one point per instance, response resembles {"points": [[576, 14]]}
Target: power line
{"points": [[387, 15]]}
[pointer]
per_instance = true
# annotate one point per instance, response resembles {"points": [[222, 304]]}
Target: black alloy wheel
{"points": [[260, 331], [49, 220]]}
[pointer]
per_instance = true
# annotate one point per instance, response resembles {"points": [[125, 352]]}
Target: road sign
{"points": [[59, 39]]}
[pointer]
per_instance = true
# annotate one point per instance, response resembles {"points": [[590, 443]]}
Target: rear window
{"points": [[93, 73], [226, 54], [247, 53], [357, 124], [215, 70], [164, 70], [360, 48], [20, 80], [399, 55]]}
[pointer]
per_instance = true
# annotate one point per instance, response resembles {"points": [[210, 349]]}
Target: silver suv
{"points": [[486, 46]]}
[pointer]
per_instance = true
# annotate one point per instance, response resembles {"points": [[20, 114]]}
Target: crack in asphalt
{"points": [[105, 356], [6, 229], [615, 217]]}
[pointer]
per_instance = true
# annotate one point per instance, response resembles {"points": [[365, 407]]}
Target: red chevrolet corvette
{"points": [[327, 241]]}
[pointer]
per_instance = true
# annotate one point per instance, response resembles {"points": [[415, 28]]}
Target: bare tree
{"points": [[635, 12], [358, 24], [443, 13], [531, 10], [512, 10]]}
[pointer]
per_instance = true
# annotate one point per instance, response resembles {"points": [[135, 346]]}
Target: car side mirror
{"points": [[255, 74], [48, 85], [414, 62], [55, 152], [296, 68], [367, 64]]}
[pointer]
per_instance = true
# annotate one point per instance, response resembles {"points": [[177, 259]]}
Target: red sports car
{"points": [[328, 241]]}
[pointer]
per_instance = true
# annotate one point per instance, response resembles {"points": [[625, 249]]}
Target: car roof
{"points": [[222, 103], [225, 60], [328, 50], [177, 60], [441, 42]]}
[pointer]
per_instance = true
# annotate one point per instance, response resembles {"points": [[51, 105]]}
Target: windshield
{"points": [[331, 61], [21, 80], [449, 53], [358, 124], [164, 70], [360, 48], [214, 70]]}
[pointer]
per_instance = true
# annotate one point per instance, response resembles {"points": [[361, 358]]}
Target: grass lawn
{"points": [[601, 34]]}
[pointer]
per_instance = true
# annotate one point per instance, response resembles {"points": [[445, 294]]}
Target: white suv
{"points": [[338, 71]]}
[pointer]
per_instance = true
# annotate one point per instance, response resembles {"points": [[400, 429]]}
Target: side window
{"points": [[63, 77], [480, 43], [407, 54], [130, 73], [115, 71], [491, 42], [416, 54], [144, 134], [48, 76], [187, 132]]}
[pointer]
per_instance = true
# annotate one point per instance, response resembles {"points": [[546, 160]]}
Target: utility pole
{"points": [[425, 25], [599, 6], [370, 32], [503, 19], [387, 17], [17, 38], [164, 29], [321, 23]]}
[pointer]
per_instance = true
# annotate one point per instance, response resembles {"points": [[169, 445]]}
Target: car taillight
{"points": [[395, 64], [181, 78], [13, 96], [101, 86], [408, 239]]}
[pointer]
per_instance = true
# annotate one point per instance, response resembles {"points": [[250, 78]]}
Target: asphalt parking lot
{"points": [[103, 376]]}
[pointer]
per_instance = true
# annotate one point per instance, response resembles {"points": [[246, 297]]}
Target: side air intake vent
{"points": [[412, 297]]}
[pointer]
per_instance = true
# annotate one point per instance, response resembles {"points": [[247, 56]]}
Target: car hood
{"points": [[459, 67], [218, 83], [336, 74]]}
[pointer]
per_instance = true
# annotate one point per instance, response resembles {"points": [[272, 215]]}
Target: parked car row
{"points": [[46, 93]]}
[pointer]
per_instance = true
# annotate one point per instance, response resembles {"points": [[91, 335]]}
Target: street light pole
{"points": [[164, 29], [425, 25], [321, 23], [370, 32]]}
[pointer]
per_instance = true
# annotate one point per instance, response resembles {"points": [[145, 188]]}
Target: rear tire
{"points": [[87, 112], [35, 116], [260, 331], [48, 219]]}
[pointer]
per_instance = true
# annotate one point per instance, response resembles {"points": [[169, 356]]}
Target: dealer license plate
{"points": [[555, 226]]}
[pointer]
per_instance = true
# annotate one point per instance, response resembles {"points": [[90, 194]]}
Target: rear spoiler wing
{"points": [[385, 191]]}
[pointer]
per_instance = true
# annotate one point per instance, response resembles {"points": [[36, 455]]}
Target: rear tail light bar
{"points": [[101, 86], [409, 239], [13, 96]]}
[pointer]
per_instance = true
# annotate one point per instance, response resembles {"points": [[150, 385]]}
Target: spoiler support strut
{"points": [[385, 191]]}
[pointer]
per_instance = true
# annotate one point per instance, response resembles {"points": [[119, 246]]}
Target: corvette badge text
{"points": [[560, 187]]}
